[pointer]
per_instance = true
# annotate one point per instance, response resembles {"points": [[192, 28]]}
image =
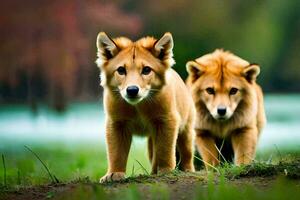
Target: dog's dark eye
{"points": [[121, 70], [210, 90], [233, 91], [146, 70]]}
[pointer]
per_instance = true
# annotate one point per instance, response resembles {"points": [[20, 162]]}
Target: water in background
{"points": [[84, 122]]}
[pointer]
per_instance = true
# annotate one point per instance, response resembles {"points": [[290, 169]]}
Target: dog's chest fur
{"points": [[223, 129], [141, 120], [140, 125]]}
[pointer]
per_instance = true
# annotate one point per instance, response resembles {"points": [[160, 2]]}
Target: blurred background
{"points": [[49, 83]]}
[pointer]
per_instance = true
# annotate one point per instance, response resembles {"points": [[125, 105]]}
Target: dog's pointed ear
{"points": [[251, 72], [107, 48], [195, 70], [163, 49]]}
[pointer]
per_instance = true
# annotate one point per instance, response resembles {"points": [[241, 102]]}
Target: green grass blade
{"points": [[53, 178]]}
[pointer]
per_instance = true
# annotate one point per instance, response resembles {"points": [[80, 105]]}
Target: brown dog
{"points": [[229, 104], [144, 96]]}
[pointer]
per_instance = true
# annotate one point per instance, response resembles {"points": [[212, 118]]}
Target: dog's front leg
{"points": [[244, 145], [207, 148], [164, 159], [118, 144]]}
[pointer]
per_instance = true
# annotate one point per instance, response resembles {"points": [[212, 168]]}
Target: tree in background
{"points": [[47, 49]]}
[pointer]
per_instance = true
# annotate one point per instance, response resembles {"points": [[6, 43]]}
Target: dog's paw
{"points": [[114, 176], [164, 170], [188, 168]]}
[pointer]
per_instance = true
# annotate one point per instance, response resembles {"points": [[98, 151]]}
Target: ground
{"points": [[57, 171], [258, 181]]}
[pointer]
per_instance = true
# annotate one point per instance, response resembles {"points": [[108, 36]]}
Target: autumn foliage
{"points": [[47, 51]]}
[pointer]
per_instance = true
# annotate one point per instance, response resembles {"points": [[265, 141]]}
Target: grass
{"points": [[82, 165], [52, 177], [4, 171], [42, 164], [282, 189], [290, 169]]}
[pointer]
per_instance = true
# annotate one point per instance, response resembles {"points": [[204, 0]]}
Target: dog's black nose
{"points": [[132, 91], [222, 111]]}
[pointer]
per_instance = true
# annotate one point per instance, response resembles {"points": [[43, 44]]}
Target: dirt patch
{"points": [[176, 185]]}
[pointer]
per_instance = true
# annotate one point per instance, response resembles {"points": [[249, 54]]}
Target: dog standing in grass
{"points": [[229, 105], [144, 96]]}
